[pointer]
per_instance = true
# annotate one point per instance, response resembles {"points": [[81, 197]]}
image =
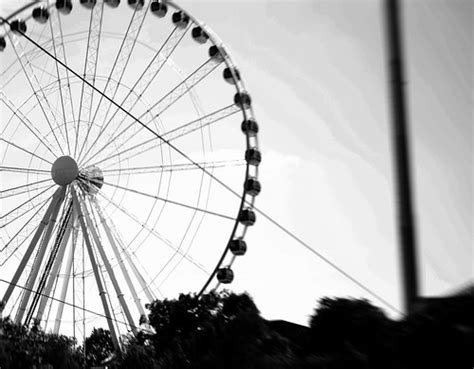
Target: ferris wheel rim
{"points": [[247, 113]]}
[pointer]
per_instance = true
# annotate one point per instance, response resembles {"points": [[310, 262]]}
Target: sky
{"points": [[317, 74]]}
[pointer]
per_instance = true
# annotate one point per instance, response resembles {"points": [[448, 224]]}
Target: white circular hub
{"points": [[64, 170]]}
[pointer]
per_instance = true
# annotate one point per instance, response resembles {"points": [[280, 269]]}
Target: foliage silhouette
{"points": [[98, 346], [22, 347], [215, 331], [226, 330]]}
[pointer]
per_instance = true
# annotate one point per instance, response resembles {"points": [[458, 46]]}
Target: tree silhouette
{"points": [[218, 330], [98, 346], [351, 328], [439, 334], [225, 330], [22, 347]]}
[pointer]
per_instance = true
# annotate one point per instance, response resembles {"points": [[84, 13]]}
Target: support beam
{"points": [[95, 268], [109, 269], [55, 269], [26, 257], [138, 275], [46, 269], [39, 257], [67, 273], [124, 270]]}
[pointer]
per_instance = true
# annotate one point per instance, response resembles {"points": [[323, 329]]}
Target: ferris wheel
{"points": [[128, 162]]}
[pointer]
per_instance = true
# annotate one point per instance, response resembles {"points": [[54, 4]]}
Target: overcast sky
{"points": [[317, 73]]}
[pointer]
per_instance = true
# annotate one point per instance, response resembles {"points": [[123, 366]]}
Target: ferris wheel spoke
{"points": [[18, 190], [144, 126], [24, 170], [43, 72], [181, 89], [177, 203], [118, 70], [18, 215], [185, 253], [102, 133], [164, 103], [37, 89], [89, 71], [154, 232], [20, 233], [12, 252], [62, 74], [27, 202], [144, 81], [25, 150], [26, 122], [173, 167], [181, 131], [31, 54]]}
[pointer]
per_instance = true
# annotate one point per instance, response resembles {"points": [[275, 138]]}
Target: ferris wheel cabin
{"points": [[41, 14], [64, 6], [158, 8]]}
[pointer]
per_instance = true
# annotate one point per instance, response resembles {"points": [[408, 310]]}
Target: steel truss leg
{"points": [[55, 269], [67, 273], [124, 270], [39, 257], [39, 231], [95, 268], [109, 269], [134, 268]]}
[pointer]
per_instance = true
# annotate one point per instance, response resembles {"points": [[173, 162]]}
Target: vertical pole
{"points": [[406, 224]]}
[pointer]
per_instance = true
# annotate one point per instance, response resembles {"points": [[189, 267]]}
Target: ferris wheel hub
{"points": [[64, 170], [94, 178]]}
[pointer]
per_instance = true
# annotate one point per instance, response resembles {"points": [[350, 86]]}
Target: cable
{"points": [[270, 219]]}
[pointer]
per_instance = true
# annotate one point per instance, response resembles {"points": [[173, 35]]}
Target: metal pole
{"points": [[407, 235]]}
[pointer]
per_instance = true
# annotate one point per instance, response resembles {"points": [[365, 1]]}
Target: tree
{"points": [[215, 331], [24, 347], [60, 352], [98, 346], [439, 333], [352, 331], [139, 353]]}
